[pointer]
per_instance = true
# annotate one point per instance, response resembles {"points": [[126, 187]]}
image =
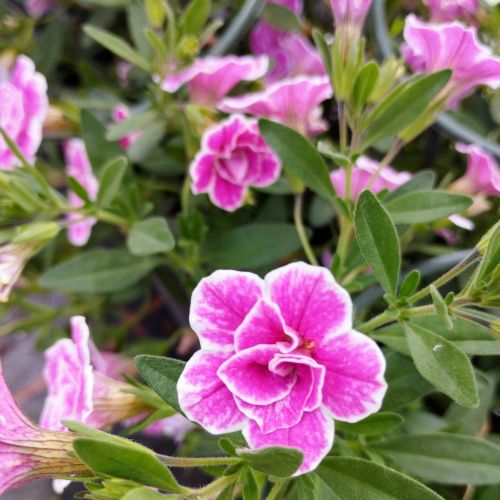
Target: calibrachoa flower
{"points": [[28, 452], [351, 12], [433, 47], [78, 391], [279, 360], [210, 79], [23, 94], [119, 113], [294, 102], [362, 172], [451, 10], [233, 157], [13, 258], [482, 175], [78, 166]]}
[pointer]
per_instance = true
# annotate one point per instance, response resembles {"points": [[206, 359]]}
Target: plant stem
{"points": [[275, 490], [196, 461], [344, 238], [111, 218], [388, 158], [301, 231], [215, 487], [342, 127]]}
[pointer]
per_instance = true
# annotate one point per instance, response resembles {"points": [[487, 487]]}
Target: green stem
{"points": [[275, 490], [185, 194], [388, 158], [211, 490], [111, 218], [342, 127], [301, 231], [344, 238], [196, 461]]}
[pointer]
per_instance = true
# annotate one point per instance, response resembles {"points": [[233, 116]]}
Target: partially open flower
{"points": [[233, 157], [79, 167], [77, 391], [210, 79], [119, 113], [279, 360], [28, 452], [294, 102], [13, 258], [451, 10], [23, 94], [433, 47]]}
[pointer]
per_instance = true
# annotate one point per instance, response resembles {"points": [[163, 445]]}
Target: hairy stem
{"points": [[388, 158], [196, 461], [301, 231]]}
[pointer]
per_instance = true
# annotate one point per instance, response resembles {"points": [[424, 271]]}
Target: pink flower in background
{"points": [[350, 11], [78, 391], [451, 10], [175, 427], [433, 47], [483, 172], [279, 359], [28, 452], [120, 113], [210, 79], [79, 167], [24, 106], [294, 102], [233, 157], [362, 172], [294, 5], [38, 8]]}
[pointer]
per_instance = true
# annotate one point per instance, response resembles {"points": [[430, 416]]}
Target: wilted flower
{"points": [[28, 452], [279, 359], [351, 12], [119, 113], [451, 10], [78, 391], [433, 47], [362, 172], [232, 158], [294, 102], [79, 167], [210, 79], [13, 258], [23, 94]]}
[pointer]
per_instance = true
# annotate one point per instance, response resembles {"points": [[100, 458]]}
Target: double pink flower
{"points": [[279, 360]]}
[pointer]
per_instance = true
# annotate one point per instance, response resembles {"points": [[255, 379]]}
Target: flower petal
{"points": [[313, 436], [204, 398], [354, 384]]}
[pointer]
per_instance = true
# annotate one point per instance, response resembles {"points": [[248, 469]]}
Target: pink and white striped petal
{"points": [[354, 384], [219, 305], [204, 398], [313, 436]]}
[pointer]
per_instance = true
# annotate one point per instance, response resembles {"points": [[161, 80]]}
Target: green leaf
{"points": [[491, 257], [49, 47], [441, 307], [273, 460], [354, 478], [134, 122], [249, 486], [378, 240], [423, 181], [143, 494], [479, 347], [134, 463], [281, 18], [299, 156], [420, 207], [444, 458], [377, 423], [116, 45], [149, 237], [162, 375], [323, 49], [251, 246], [145, 144], [443, 365], [195, 17], [403, 106], [111, 181], [99, 150], [410, 283], [364, 84], [97, 271]]}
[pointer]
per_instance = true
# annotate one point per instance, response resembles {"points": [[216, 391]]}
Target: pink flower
{"points": [[28, 452], [482, 175], [433, 47], [38, 8], [175, 427], [212, 78], [78, 166], [451, 10], [13, 258], [232, 158], [279, 359], [119, 113], [77, 390], [293, 102], [362, 172], [23, 94], [350, 11]]}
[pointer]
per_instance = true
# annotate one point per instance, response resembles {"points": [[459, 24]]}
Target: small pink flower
{"points": [[294, 102], [38, 8], [233, 157], [451, 10], [78, 166], [78, 391], [362, 172], [119, 113], [210, 79], [279, 359], [123, 69], [350, 11], [483, 173], [28, 452], [23, 94], [433, 47]]}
